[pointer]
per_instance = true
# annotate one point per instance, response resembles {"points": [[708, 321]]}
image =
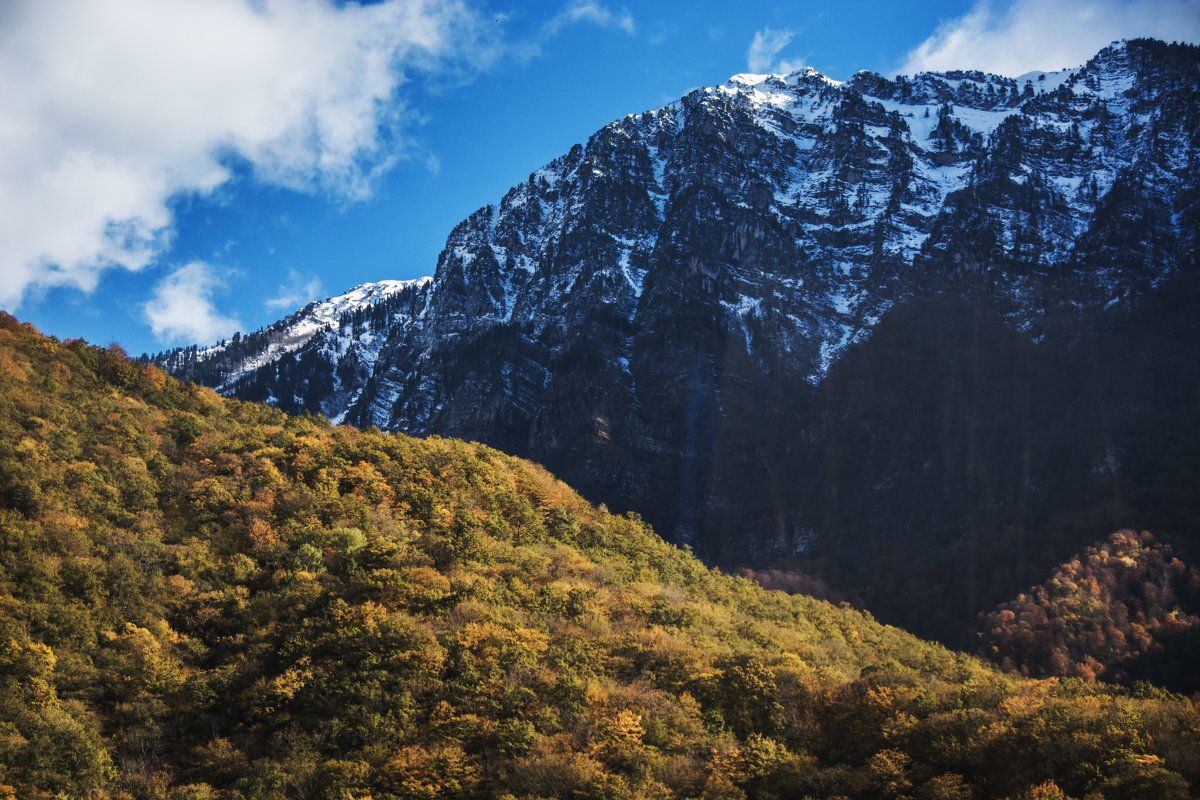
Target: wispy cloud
{"points": [[763, 56], [593, 13], [1011, 38], [112, 108], [182, 308], [577, 12], [298, 291]]}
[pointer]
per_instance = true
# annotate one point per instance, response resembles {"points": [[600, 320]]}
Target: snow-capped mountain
{"points": [[303, 347], [654, 314]]}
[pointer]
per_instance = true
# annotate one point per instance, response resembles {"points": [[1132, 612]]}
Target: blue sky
{"points": [[174, 170]]}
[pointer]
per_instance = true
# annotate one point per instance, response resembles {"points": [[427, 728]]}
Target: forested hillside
{"points": [[1127, 609], [202, 598]]}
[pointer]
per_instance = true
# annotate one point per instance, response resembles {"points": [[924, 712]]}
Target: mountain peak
{"points": [[794, 77]]}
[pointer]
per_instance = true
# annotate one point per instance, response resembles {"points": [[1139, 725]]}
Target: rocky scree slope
{"points": [[657, 315]]}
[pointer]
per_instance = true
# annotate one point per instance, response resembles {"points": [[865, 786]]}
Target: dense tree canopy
{"points": [[1125, 610]]}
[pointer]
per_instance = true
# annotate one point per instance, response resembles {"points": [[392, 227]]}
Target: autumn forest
{"points": [[202, 598]]}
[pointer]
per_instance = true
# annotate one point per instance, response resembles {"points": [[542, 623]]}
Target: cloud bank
{"points": [[1024, 35], [112, 108]]}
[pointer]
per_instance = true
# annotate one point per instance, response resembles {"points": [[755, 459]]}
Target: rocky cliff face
{"points": [[656, 315]]}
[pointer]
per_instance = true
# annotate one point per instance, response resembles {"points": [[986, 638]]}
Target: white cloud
{"points": [[1025, 35], [296, 293], [182, 307], [112, 108], [595, 13], [573, 13], [763, 56]]}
